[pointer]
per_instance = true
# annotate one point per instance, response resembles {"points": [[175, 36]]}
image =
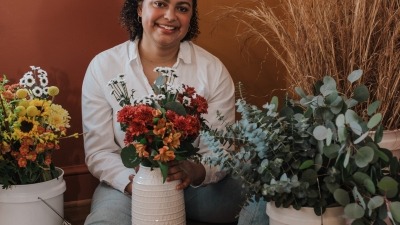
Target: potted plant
{"points": [[31, 127], [313, 152], [312, 38]]}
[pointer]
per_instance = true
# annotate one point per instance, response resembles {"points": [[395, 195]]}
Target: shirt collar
{"points": [[184, 51]]}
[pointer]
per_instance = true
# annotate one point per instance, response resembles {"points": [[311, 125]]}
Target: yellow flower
{"points": [[32, 111], [141, 150], [24, 103], [20, 111], [21, 93], [53, 91], [58, 117]]}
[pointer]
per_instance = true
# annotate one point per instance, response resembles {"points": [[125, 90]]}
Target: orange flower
{"points": [[173, 140], [156, 113], [165, 154], [24, 149], [40, 147], [31, 156], [47, 160], [22, 162], [160, 128], [141, 150]]}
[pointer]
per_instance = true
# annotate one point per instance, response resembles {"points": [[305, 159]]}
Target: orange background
{"points": [[63, 36]]}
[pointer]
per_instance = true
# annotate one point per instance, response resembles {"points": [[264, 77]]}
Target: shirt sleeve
{"points": [[102, 153], [222, 100]]}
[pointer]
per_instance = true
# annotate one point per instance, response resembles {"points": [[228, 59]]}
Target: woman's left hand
{"points": [[186, 171]]}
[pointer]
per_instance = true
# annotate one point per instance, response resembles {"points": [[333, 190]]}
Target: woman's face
{"points": [[165, 22]]}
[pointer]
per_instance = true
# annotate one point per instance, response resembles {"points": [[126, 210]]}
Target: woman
{"points": [[160, 33]]}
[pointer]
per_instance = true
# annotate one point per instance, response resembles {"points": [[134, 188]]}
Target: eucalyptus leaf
{"points": [[388, 186], [355, 75], [395, 210], [375, 120], [353, 211], [130, 157], [320, 132], [275, 102], [373, 107], [300, 92], [361, 138], [331, 151], [341, 196], [375, 202], [379, 134], [351, 102], [356, 127], [364, 156], [361, 93]]}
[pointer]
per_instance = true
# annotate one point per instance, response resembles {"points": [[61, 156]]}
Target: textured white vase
{"points": [[304, 216], [155, 202], [21, 204]]}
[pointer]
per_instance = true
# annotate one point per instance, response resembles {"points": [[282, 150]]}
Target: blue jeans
{"points": [[215, 203]]}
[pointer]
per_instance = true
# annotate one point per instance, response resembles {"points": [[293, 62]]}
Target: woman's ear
{"points": [[139, 9]]}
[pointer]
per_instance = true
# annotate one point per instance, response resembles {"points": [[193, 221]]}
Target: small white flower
{"points": [[42, 73], [37, 91], [160, 97], [44, 81], [45, 90], [29, 80]]}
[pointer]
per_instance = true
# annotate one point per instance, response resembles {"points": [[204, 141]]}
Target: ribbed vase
{"points": [[155, 202]]}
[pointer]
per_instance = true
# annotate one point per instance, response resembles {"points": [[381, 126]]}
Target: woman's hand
{"points": [[186, 171]]}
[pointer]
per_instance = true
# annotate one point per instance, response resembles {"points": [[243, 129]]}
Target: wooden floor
{"points": [[76, 213]]}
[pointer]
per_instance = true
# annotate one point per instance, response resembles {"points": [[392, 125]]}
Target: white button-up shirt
{"points": [[103, 137]]}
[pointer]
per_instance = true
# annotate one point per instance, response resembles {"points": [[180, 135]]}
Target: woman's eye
{"points": [[183, 9], [159, 4]]}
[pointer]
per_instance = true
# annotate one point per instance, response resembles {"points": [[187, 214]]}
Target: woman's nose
{"points": [[170, 14]]}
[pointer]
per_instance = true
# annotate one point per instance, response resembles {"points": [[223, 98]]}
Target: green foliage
{"points": [[314, 152]]}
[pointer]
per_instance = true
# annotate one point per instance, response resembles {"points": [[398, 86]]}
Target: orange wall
{"points": [[63, 36]]}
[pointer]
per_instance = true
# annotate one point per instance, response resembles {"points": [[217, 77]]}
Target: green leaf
{"points": [[351, 103], [375, 202], [300, 92], [378, 134], [361, 138], [373, 107], [320, 132], [361, 93], [365, 180], [375, 120], [353, 211], [351, 116], [356, 127], [130, 157], [341, 196], [176, 107], [309, 176], [355, 75], [364, 155], [164, 170], [331, 151], [275, 101], [388, 186], [395, 210], [306, 164]]}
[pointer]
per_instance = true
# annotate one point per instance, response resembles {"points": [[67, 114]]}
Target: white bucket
{"points": [[304, 216], [21, 204], [391, 141]]}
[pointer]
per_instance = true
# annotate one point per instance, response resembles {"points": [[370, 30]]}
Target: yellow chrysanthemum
{"points": [[58, 117], [53, 91]]}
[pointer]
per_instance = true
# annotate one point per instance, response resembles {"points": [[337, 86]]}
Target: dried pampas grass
{"points": [[332, 37]]}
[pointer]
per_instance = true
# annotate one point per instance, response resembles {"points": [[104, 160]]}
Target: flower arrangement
{"points": [[314, 152], [31, 127], [161, 127]]}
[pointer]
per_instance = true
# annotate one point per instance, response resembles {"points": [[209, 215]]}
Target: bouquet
{"points": [[161, 127], [31, 126]]}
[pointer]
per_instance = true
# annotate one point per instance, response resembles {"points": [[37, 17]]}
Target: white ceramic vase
{"points": [[304, 216], [391, 141], [22, 204], [155, 202]]}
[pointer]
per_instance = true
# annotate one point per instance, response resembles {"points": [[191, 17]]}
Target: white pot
{"points": [[304, 216], [155, 202], [21, 204], [391, 141]]}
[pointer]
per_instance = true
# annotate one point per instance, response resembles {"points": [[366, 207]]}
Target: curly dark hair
{"points": [[130, 21]]}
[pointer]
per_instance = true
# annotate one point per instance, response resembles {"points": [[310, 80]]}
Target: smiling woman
{"points": [[160, 36]]}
